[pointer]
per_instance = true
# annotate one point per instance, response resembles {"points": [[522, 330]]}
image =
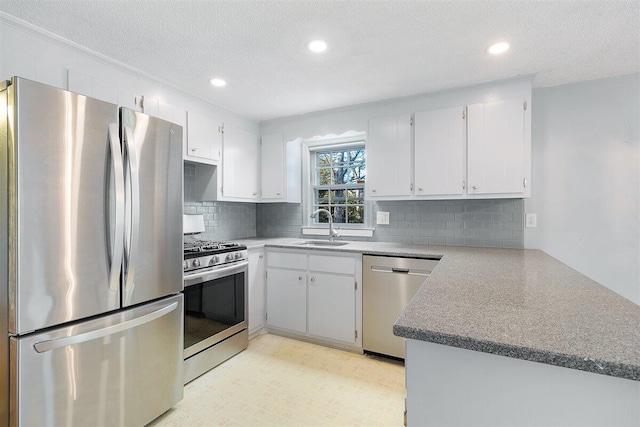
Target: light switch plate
{"points": [[382, 218], [530, 220]]}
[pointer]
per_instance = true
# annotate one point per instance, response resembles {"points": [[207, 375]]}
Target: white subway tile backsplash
{"points": [[483, 223]]}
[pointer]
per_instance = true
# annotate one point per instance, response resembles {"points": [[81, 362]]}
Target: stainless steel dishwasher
{"points": [[388, 285]]}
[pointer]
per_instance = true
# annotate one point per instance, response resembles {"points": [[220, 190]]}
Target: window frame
{"points": [[319, 143], [316, 186]]}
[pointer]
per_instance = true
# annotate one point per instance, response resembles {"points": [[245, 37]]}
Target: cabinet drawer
{"points": [[287, 260], [332, 264]]}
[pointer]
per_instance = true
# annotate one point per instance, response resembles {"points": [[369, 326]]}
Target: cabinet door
{"points": [[239, 164], [256, 290], [389, 171], [204, 137], [332, 306], [287, 299], [440, 137], [496, 147], [273, 166]]}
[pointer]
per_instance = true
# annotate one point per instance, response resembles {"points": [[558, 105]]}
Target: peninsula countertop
{"points": [[517, 303]]}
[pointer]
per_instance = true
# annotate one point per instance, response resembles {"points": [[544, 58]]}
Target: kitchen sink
{"points": [[322, 243]]}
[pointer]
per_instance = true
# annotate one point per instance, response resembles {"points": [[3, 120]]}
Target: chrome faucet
{"points": [[332, 232]]}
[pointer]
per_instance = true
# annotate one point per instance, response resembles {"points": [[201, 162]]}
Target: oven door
{"points": [[215, 306]]}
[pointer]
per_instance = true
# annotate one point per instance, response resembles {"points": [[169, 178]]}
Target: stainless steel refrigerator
{"points": [[91, 260]]}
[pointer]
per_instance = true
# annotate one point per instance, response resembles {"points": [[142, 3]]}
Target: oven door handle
{"points": [[216, 273]]}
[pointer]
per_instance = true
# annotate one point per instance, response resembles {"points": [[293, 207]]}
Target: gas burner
{"points": [[200, 254], [206, 246]]}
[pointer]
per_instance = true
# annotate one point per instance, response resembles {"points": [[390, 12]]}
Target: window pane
{"points": [[322, 197], [353, 175], [338, 175], [338, 213], [357, 156], [355, 196], [323, 159], [338, 197], [355, 214], [324, 177], [340, 158]]}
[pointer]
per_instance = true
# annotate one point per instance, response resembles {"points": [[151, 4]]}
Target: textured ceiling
{"points": [[377, 49]]}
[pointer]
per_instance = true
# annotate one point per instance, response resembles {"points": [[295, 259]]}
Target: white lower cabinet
{"points": [[316, 295], [332, 306], [287, 299], [256, 297]]}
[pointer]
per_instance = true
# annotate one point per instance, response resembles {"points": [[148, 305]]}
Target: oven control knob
{"points": [[238, 255], [214, 260], [185, 265], [196, 263], [229, 257]]}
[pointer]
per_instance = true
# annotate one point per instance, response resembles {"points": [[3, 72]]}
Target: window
{"points": [[338, 176]]}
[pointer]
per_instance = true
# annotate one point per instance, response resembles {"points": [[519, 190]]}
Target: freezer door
{"points": [[153, 232], [62, 168], [123, 369]]}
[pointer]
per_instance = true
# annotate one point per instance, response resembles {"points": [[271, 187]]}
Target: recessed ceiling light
{"points": [[217, 82], [498, 48], [317, 46]]}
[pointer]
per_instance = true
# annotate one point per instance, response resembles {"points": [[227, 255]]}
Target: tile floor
{"points": [[282, 382]]}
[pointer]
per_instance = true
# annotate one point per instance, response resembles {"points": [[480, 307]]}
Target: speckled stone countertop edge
{"points": [[618, 370]]}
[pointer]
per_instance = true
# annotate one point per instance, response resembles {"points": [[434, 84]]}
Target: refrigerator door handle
{"points": [[135, 208], [118, 242], [44, 346]]}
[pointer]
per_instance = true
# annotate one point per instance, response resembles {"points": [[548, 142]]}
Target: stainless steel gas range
{"points": [[215, 304]]}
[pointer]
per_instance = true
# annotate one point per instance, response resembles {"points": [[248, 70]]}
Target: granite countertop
{"points": [[516, 303]]}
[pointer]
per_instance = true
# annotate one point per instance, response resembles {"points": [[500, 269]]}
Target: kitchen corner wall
{"points": [[222, 220], [479, 223], [586, 179]]}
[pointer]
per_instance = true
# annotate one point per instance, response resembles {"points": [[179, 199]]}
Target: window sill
{"points": [[344, 232]]}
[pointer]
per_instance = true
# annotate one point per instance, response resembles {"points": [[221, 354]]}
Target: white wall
{"points": [[45, 57], [586, 179]]}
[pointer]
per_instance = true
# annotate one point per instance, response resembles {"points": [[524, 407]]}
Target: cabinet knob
{"points": [[299, 277], [193, 149], [419, 189], [474, 187], [255, 194], [373, 190], [278, 194], [313, 279], [260, 256]]}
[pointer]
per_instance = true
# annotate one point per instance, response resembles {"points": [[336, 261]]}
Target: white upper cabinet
{"points": [[389, 163], [496, 147], [440, 139], [239, 164], [273, 166], [204, 138], [281, 169]]}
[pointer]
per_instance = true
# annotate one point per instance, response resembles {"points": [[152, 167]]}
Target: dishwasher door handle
{"points": [[400, 271]]}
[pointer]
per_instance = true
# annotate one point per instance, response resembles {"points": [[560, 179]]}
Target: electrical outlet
{"points": [[382, 218], [531, 220]]}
